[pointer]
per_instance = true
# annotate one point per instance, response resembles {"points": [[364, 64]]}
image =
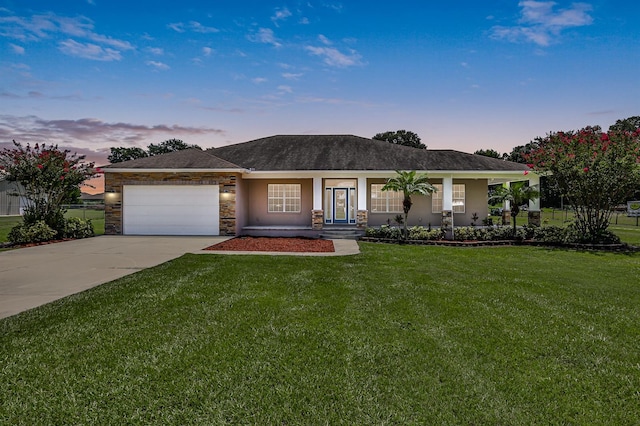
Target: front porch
{"points": [[327, 232]]}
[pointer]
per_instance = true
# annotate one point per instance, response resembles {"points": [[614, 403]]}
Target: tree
{"points": [[594, 171], [121, 154], [118, 155], [48, 177], [490, 153], [518, 193], [519, 153], [167, 146], [409, 184], [630, 124], [401, 137]]}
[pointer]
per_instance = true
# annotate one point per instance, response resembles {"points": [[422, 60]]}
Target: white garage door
{"points": [[171, 210]]}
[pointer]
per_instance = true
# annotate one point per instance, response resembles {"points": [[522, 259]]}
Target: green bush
{"points": [[545, 234], [54, 219], [550, 234], [31, 233], [574, 236], [385, 231], [75, 227], [422, 233]]}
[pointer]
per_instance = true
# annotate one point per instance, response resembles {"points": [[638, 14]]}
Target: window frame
{"points": [[388, 197], [437, 198], [284, 197]]}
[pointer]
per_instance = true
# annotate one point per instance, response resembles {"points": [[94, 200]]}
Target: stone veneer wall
{"points": [[506, 217], [317, 220], [362, 219], [113, 183], [534, 217]]}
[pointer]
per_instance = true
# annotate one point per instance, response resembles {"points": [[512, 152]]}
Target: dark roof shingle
{"points": [[186, 159], [348, 152]]}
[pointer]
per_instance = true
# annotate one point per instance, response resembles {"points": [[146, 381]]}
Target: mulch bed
{"points": [[277, 244]]}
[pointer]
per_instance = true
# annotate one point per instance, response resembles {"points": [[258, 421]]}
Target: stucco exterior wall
{"points": [[477, 199], [421, 212], [256, 198], [114, 182]]}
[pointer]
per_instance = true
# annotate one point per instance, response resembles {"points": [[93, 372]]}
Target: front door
{"points": [[340, 205]]}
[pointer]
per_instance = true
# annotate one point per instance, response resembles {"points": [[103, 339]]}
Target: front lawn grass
{"points": [[395, 335]]}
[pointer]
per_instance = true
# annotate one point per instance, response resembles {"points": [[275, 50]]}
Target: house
{"points": [[87, 198], [10, 203], [296, 185]]}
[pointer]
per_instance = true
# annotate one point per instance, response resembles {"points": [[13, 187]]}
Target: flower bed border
{"points": [[577, 246]]}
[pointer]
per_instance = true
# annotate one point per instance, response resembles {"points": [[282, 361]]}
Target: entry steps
{"points": [[341, 233]]}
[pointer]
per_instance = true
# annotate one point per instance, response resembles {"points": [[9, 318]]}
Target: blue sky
{"points": [[464, 75]]}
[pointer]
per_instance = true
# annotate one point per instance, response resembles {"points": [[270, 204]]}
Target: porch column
{"points": [[317, 214], [506, 208], [317, 193], [447, 207], [534, 205], [362, 214]]}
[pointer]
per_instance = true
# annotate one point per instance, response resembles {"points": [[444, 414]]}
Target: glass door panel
{"points": [[341, 205]]}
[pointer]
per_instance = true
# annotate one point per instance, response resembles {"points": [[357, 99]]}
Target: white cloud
{"points": [[90, 132], [259, 80], [158, 51], [292, 76], [177, 27], [280, 15], [324, 40], [199, 28], [160, 66], [304, 21], [285, 89], [39, 27], [207, 51], [19, 50], [266, 36], [88, 51], [541, 23], [333, 57], [195, 26]]}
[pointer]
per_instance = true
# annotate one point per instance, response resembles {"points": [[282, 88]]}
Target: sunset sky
{"points": [[464, 75]]}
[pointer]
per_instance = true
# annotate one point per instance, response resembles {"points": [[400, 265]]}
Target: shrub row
{"points": [[39, 231], [544, 234]]}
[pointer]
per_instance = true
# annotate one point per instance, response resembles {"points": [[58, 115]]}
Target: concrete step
{"points": [[341, 234]]}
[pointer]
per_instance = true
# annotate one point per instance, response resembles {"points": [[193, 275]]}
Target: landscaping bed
{"points": [[455, 243], [275, 244]]}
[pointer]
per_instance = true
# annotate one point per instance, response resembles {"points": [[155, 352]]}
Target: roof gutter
{"points": [[210, 170]]}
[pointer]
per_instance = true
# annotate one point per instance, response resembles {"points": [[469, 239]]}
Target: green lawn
{"points": [[395, 335]]}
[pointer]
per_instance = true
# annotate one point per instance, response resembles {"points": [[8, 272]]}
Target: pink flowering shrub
{"points": [[593, 170], [47, 177]]}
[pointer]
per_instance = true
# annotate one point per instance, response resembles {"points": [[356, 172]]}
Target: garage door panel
{"points": [[171, 209]]}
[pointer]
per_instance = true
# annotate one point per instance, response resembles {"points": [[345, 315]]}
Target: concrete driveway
{"points": [[33, 276]]}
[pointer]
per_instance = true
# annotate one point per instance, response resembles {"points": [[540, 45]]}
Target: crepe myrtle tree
{"points": [[595, 171], [409, 183], [48, 177]]}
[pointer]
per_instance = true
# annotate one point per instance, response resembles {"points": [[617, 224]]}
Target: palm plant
{"points": [[409, 183], [518, 193]]}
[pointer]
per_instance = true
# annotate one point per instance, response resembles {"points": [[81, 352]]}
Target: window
{"points": [[458, 199], [284, 197], [436, 199], [385, 201]]}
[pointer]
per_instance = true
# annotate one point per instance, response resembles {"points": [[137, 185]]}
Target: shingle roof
{"points": [[186, 159], [348, 152]]}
